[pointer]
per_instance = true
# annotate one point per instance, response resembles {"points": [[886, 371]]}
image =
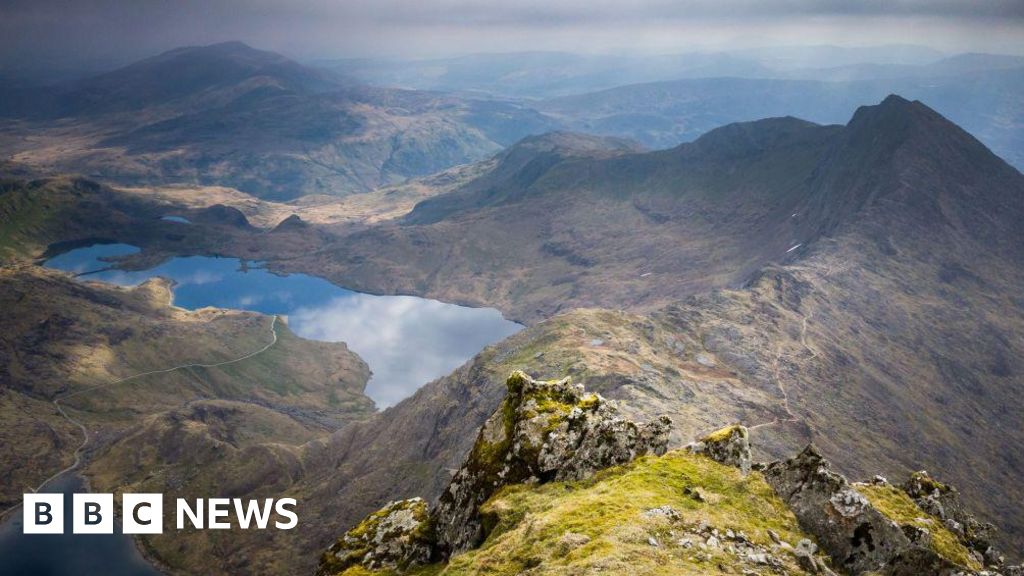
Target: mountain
{"points": [[983, 98], [194, 76], [228, 114], [856, 286], [540, 74]]}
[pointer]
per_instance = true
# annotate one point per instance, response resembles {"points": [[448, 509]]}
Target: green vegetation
{"points": [[723, 434], [898, 506], [604, 524]]}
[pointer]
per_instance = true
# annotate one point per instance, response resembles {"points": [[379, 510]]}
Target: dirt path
{"points": [[85, 432]]}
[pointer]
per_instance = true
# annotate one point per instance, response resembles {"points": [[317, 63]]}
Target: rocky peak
{"points": [[729, 446], [543, 431]]}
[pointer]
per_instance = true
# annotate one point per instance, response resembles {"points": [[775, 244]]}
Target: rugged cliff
{"points": [[558, 483]]}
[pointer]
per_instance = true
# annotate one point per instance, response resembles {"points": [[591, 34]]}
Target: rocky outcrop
{"points": [[547, 431], [395, 537], [543, 431], [855, 535], [729, 446], [293, 222], [943, 501], [877, 528]]}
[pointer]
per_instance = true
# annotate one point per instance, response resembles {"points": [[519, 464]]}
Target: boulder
{"points": [[872, 528], [729, 446], [943, 501], [396, 537]]}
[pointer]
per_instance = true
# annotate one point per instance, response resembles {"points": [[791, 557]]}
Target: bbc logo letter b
{"points": [[93, 514], [43, 513]]}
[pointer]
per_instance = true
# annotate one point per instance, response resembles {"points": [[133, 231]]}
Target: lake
{"points": [[406, 340]]}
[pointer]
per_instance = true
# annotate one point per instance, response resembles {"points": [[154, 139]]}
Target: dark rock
{"points": [[857, 536]]}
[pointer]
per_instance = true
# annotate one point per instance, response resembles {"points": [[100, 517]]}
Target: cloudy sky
{"points": [[120, 30]]}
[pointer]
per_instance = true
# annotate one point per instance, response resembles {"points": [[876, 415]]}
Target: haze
{"points": [[101, 33]]}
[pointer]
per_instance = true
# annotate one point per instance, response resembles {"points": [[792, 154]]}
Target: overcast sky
{"points": [[59, 31]]}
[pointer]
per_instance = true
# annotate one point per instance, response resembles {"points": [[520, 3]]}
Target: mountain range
{"points": [[230, 115], [856, 286]]}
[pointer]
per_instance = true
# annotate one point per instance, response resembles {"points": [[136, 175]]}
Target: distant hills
{"points": [[231, 115], [228, 114], [858, 286]]}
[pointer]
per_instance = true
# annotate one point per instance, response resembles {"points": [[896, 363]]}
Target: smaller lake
{"points": [[406, 340], [178, 219], [60, 554]]}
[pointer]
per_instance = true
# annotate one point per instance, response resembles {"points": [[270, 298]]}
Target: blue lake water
{"points": [[406, 340], [178, 219]]}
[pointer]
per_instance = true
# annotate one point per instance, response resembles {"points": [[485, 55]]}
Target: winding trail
{"points": [[790, 415], [85, 432]]}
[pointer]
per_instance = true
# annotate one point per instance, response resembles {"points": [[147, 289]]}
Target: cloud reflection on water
{"points": [[404, 339]]}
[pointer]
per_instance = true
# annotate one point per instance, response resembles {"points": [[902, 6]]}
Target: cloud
{"points": [[117, 29]]}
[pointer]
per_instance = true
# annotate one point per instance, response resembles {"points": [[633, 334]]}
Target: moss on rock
{"points": [[396, 537], [901, 509]]}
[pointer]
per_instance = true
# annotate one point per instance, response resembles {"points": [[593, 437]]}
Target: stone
{"points": [[855, 534], [396, 537], [729, 446], [667, 512], [543, 431], [943, 501]]}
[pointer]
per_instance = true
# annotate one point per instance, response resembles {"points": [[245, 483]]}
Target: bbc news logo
{"points": [[144, 514]]}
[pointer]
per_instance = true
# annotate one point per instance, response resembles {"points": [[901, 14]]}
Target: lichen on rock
{"points": [[729, 446], [875, 528], [396, 537], [543, 431]]}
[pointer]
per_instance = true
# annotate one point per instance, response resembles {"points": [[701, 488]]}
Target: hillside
{"points": [[909, 244], [228, 114], [92, 349]]}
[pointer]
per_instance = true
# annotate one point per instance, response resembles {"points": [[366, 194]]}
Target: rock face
{"points": [[729, 446], [878, 528], [943, 501], [542, 432], [857, 536], [395, 537]]}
